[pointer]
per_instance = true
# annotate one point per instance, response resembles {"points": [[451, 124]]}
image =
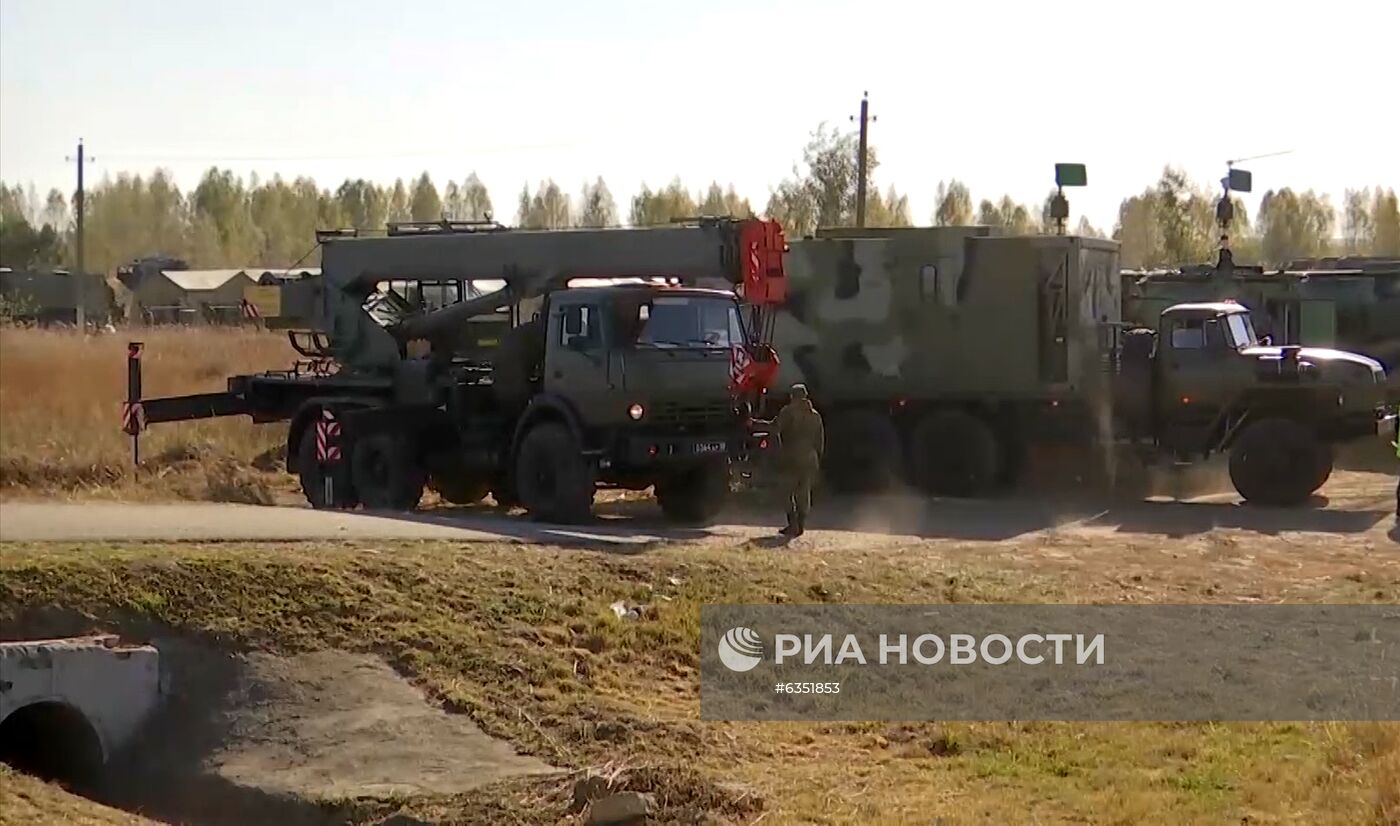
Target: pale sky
{"points": [[993, 93]]}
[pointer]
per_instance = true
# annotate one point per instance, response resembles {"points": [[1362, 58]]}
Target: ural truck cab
{"points": [[1203, 382]]}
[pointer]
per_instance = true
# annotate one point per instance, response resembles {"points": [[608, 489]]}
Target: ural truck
{"points": [[939, 356], [531, 365]]}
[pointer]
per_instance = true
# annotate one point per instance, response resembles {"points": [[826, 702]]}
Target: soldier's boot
{"points": [[790, 529]]}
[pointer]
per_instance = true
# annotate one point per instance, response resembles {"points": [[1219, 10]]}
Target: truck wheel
{"points": [[696, 496], [862, 452], [312, 475], [1325, 460], [552, 478], [504, 495], [459, 489], [1012, 459], [386, 472], [955, 454], [1275, 462]]}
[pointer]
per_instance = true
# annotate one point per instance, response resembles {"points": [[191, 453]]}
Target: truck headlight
{"points": [[636, 411]]}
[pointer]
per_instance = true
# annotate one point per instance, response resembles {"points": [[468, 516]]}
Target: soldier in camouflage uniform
{"points": [[802, 440]]}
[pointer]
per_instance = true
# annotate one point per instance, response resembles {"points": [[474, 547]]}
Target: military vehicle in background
{"points": [[940, 355], [134, 272], [622, 357], [1368, 317], [51, 296], [1350, 303]]}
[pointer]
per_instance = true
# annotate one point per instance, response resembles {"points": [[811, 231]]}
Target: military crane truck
{"points": [[534, 365], [939, 356]]}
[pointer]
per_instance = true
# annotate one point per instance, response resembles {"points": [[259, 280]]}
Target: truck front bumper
{"points": [[640, 450], [648, 450]]}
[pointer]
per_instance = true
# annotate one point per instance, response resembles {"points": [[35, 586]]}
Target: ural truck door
{"points": [[1191, 349]]}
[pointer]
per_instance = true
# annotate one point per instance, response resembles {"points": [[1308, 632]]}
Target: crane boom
{"points": [[740, 254]]}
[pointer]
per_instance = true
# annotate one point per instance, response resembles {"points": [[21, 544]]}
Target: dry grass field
{"points": [[60, 414]]}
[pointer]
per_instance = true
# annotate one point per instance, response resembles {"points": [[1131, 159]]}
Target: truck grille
{"points": [[671, 414]]}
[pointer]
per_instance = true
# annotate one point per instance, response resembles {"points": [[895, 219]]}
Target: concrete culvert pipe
{"points": [[52, 741], [66, 704]]}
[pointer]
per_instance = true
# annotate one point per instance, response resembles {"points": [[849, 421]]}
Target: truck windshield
{"points": [[1242, 331], [688, 321]]}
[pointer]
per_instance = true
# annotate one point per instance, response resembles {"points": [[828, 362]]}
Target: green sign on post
{"points": [[1071, 174], [1240, 181]]}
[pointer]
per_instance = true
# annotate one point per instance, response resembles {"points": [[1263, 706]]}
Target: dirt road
{"points": [[1356, 505]]}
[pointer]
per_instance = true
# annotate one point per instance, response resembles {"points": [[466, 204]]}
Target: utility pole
{"points": [[79, 315], [861, 170]]}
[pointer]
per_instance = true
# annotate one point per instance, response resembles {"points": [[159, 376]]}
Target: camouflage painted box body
{"points": [[905, 336], [946, 312]]}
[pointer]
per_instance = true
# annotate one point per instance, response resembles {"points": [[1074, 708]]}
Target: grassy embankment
{"points": [[521, 639]]}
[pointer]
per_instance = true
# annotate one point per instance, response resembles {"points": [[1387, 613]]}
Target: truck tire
{"points": [[1325, 459], [1012, 459], [695, 496], [386, 473], [862, 452], [1275, 461], [552, 478], [312, 475], [458, 488], [955, 454], [504, 495]]}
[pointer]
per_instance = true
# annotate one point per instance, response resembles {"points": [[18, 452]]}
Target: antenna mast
{"points": [[1238, 180]]}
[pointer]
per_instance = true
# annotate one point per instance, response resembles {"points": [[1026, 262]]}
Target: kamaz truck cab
{"points": [[637, 376], [1203, 382]]}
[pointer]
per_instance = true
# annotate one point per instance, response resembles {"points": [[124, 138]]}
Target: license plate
{"points": [[709, 447]]}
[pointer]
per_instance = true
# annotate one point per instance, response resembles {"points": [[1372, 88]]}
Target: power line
{"points": [[441, 152]]}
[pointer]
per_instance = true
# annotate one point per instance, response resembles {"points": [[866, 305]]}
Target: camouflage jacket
{"points": [[801, 436]]}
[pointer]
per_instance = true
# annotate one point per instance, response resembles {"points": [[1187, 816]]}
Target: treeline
{"points": [[227, 222], [1174, 221]]}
